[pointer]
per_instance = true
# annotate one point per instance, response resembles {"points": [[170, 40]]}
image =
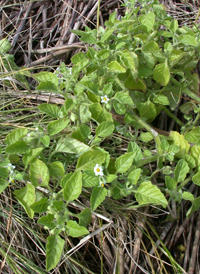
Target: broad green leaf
{"points": [[89, 179], [190, 160], [39, 173], [47, 221], [68, 105], [151, 47], [105, 129], [89, 85], [26, 197], [49, 87], [124, 98], [57, 170], [76, 58], [133, 147], [147, 20], [170, 183], [80, 66], [106, 35], [147, 110], [132, 84], [195, 206], [73, 187], [114, 66], [124, 162], [20, 147], [195, 153], [89, 159], [85, 130], [71, 145], [147, 193], [86, 37], [46, 76], [196, 179], [178, 140], [85, 114], [168, 47], [175, 56], [4, 172], [31, 155], [188, 40], [55, 127], [45, 140], [161, 73], [84, 217], [173, 94], [130, 59], [3, 185], [103, 54], [4, 45], [193, 136], [54, 248], [15, 135], [145, 137], [50, 109], [161, 99], [99, 114], [181, 171], [119, 108], [164, 144], [187, 196], [97, 197], [110, 178], [65, 179], [134, 176], [174, 25], [75, 230], [40, 206]]}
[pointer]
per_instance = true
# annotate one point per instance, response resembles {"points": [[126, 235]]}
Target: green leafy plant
{"points": [[134, 68]]}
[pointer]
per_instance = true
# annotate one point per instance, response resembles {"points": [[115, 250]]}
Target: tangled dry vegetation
{"points": [[39, 32]]}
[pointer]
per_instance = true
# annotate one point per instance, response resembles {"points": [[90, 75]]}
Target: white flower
{"points": [[104, 99], [98, 170], [119, 130], [102, 183], [70, 71], [36, 128]]}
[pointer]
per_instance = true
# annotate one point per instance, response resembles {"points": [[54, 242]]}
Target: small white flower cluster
{"points": [[11, 168], [104, 99], [98, 170]]}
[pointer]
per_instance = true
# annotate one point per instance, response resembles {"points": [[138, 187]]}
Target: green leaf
{"points": [[134, 176], [133, 147], [147, 110], [86, 37], [31, 155], [145, 137], [178, 140], [89, 179], [124, 98], [170, 183], [193, 136], [55, 127], [164, 144], [147, 20], [85, 130], [195, 153], [103, 54], [132, 84], [89, 85], [50, 109], [124, 162], [188, 40], [89, 159], [15, 135], [174, 25], [99, 114], [57, 170], [47, 221], [161, 73], [147, 193], [71, 145], [119, 108], [26, 197], [151, 47], [45, 140], [161, 100], [106, 35], [40, 206], [20, 147], [190, 160], [187, 196], [110, 178], [84, 217], [46, 76], [54, 248], [4, 45], [73, 187], [130, 59], [196, 179], [195, 206], [181, 171], [78, 57], [115, 67], [75, 230], [48, 87], [3, 185], [97, 197], [39, 173], [4, 172], [85, 114], [105, 129]]}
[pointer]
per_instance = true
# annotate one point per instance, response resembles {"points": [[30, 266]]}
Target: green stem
{"points": [[148, 160], [166, 110], [191, 94], [98, 12]]}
